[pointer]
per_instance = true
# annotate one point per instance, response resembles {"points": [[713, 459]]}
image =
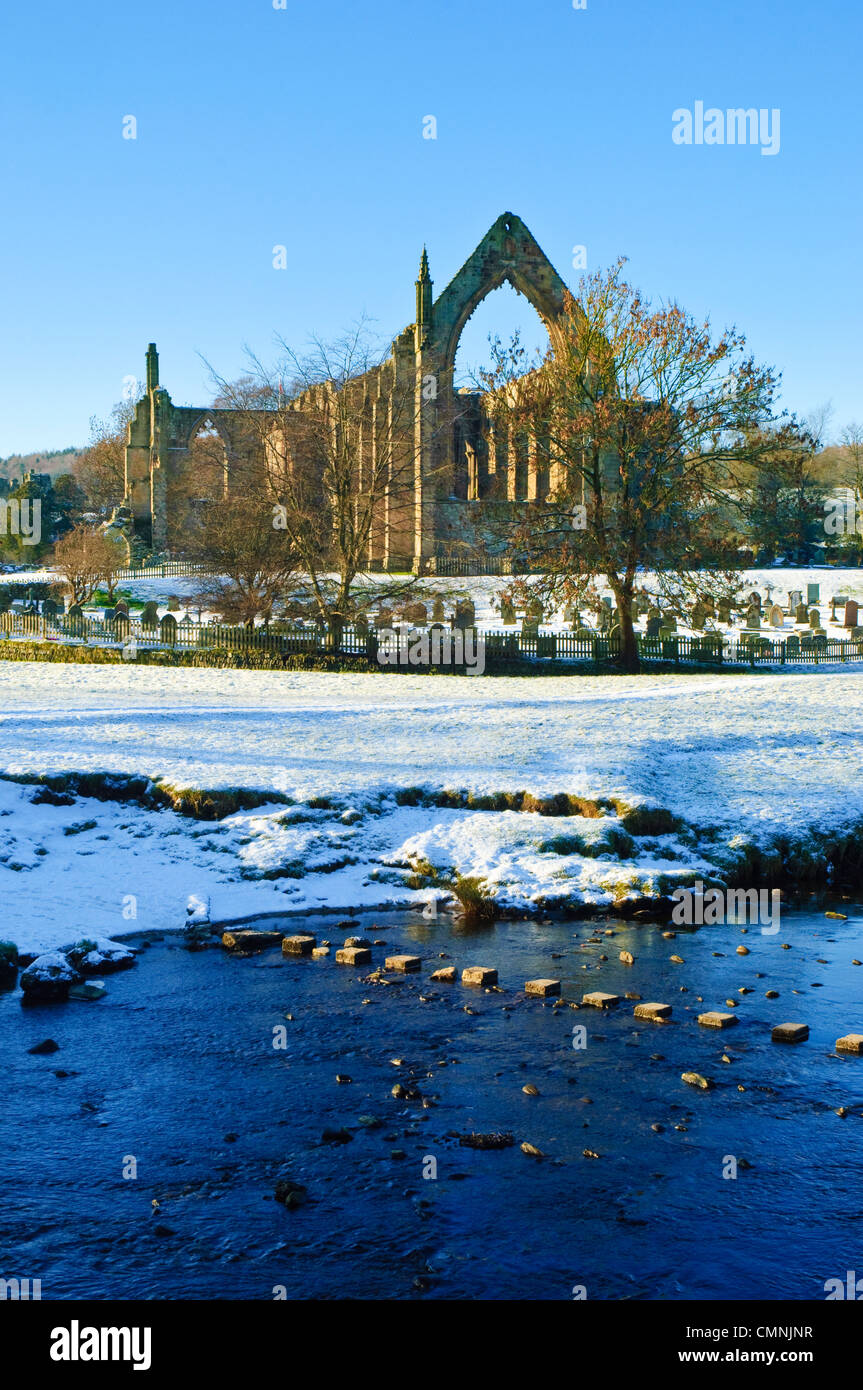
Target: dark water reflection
{"points": [[180, 1055]]}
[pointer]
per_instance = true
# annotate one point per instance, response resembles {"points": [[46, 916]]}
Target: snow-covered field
{"points": [[739, 758]]}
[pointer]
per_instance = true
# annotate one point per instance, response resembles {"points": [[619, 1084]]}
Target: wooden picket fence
{"points": [[499, 647]]}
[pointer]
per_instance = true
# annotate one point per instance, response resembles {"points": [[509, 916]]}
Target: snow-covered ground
{"points": [[739, 758]]}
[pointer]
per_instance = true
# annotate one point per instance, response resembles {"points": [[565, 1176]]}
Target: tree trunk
{"points": [[629, 658]]}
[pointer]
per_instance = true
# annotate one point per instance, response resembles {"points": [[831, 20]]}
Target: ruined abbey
{"points": [[458, 457]]}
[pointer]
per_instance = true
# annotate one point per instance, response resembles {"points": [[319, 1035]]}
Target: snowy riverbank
{"points": [[769, 761]]}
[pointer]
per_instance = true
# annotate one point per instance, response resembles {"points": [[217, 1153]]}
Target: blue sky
{"points": [[303, 127]]}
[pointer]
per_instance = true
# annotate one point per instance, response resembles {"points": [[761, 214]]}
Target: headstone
{"points": [[795, 598], [754, 600], [709, 605], [465, 614], [361, 626], [417, 613], [168, 628], [384, 617], [173, 604], [121, 606], [802, 613], [150, 614], [653, 626], [698, 616], [792, 642], [49, 608], [753, 618], [814, 618], [438, 613], [850, 619], [725, 611], [76, 611], [507, 612], [777, 617], [813, 594]]}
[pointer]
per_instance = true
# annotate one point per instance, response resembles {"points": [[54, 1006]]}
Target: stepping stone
{"points": [[445, 976], [301, 945], [657, 1013], [250, 941], [713, 1019], [627, 957], [319, 951], [543, 988], [694, 1078], [405, 965], [354, 955], [478, 975], [790, 1032], [852, 1042], [357, 941], [598, 1000]]}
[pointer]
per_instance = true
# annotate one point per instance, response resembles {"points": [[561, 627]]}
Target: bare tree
{"points": [[639, 419], [86, 559], [335, 463], [253, 564], [101, 467]]}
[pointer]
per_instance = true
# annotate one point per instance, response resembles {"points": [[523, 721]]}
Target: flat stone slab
{"points": [[354, 955], [445, 976], [478, 975], [301, 945], [250, 941], [544, 988], [852, 1042], [319, 951], [715, 1019], [405, 965], [598, 1000], [658, 1013], [790, 1032]]}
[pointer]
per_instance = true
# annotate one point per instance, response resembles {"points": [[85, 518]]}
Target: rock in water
{"points": [[49, 978]]}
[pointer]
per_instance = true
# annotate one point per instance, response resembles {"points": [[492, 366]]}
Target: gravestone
{"points": [[802, 613], [792, 643], [168, 628], [814, 619], [753, 618], [813, 594], [438, 614], [709, 605], [850, 619], [698, 616], [653, 626], [754, 600], [530, 627], [725, 611], [384, 617], [121, 606], [361, 626], [777, 617], [416, 613], [76, 611], [465, 614], [173, 604], [795, 598], [534, 610], [507, 612], [49, 608], [150, 614]]}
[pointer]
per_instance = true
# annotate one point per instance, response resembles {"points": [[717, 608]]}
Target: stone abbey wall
{"points": [[458, 457]]}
